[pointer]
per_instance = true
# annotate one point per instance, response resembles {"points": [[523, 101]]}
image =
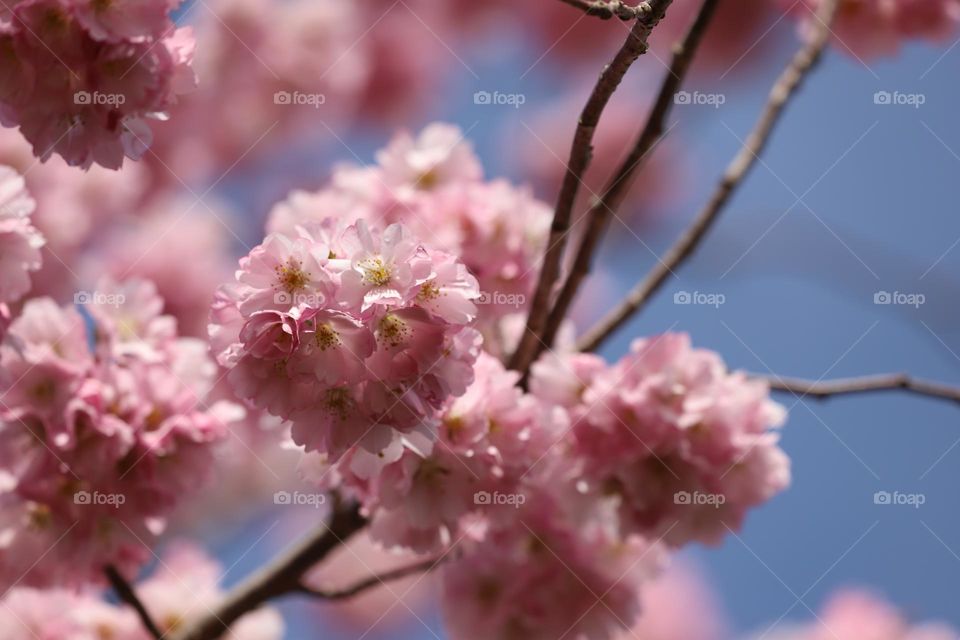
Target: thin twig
{"points": [[127, 594], [281, 577], [865, 384], [613, 194], [424, 566], [784, 89], [580, 153], [606, 10]]}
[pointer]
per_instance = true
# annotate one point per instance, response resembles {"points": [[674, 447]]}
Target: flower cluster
{"points": [[597, 465], [103, 431], [354, 334], [420, 494], [869, 28], [683, 446], [20, 242], [184, 585], [81, 77], [434, 184]]}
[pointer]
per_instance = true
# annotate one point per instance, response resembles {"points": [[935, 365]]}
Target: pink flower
{"points": [[91, 75], [497, 230], [356, 335], [437, 157], [384, 270], [283, 273], [101, 440], [20, 242], [685, 446], [543, 577]]}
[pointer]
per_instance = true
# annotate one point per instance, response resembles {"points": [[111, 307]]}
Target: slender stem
{"points": [[613, 194], [281, 577], [783, 90], [606, 10], [580, 154], [424, 566], [864, 384], [127, 594]]}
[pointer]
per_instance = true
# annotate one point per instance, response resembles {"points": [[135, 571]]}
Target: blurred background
{"points": [[838, 257]]}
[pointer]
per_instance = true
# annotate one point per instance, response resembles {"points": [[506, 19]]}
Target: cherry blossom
{"points": [[103, 432], [685, 446], [20, 242], [356, 334], [84, 78]]}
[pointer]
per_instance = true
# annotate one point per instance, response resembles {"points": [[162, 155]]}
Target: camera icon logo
{"points": [[882, 497], [882, 97], [482, 498], [82, 297], [282, 497], [682, 297], [82, 497], [282, 297], [482, 97], [882, 297], [682, 497], [82, 97], [682, 97], [282, 97]]}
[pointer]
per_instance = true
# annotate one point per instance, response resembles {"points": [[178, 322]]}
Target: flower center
{"points": [[326, 337], [429, 291], [338, 402], [375, 272], [291, 277], [393, 330]]}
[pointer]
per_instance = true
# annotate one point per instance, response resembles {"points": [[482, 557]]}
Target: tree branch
{"points": [[283, 576], [607, 10], [783, 90], [424, 566], [865, 384], [580, 153], [127, 594], [613, 194]]}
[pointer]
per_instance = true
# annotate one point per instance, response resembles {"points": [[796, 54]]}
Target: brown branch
{"points": [[607, 10], [783, 90], [866, 384], [424, 566], [127, 594], [281, 577], [580, 153], [613, 194]]}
